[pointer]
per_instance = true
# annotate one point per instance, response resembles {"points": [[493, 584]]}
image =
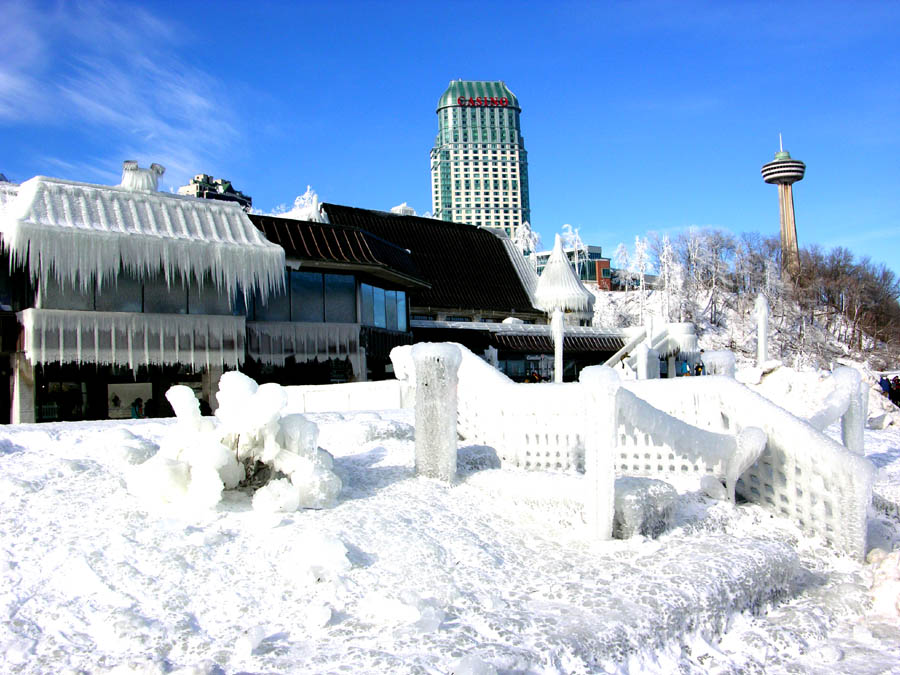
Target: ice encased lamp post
{"points": [[559, 291]]}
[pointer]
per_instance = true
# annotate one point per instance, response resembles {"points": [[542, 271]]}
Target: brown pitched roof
{"points": [[339, 247], [468, 268]]}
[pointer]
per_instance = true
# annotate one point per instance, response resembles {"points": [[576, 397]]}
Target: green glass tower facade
{"points": [[479, 167]]}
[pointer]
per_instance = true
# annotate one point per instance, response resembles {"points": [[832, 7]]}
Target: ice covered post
{"points": [[647, 362], [762, 330], [436, 367], [853, 421], [602, 386], [559, 290]]}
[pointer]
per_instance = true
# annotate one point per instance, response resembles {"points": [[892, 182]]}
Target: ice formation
{"points": [[436, 379], [849, 402], [306, 207], [719, 362], [81, 233], [131, 339], [251, 442], [559, 290], [273, 342], [141, 180], [643, 506]]}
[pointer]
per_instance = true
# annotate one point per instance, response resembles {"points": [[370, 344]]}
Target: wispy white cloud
{"points": [[114, 72], [885, 234]]}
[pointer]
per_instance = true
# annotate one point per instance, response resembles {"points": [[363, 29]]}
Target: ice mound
{"points": [[250, 443], [642, 506], [885, 589]]}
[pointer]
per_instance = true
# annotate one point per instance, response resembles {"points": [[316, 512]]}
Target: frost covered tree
{"points": [[528, 242], [666, 265], [639, 264], [622, 261], [571, 240]]}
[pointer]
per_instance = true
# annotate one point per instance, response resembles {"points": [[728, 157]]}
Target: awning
{"points": [[81, 233], [126, 339]]}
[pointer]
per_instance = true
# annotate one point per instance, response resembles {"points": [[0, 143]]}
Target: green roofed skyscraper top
{"points": [[479, 167]]}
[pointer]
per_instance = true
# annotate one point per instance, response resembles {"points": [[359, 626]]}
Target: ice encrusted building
{"points": [[109, 295], [112, 294]]}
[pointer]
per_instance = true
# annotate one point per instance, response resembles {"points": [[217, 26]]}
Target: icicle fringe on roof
{"points": [[79, 232], [559, 288], [126, 339]]}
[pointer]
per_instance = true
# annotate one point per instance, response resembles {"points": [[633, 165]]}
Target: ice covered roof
{"points": [[81, 232], [559, 288]]}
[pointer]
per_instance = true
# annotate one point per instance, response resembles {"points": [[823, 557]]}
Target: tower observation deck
{"points": [[784, 171]]}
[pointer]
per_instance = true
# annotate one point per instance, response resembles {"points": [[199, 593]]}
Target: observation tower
{"points": [[784, 172]]}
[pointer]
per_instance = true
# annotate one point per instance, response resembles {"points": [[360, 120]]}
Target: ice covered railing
{"points": [[531, 426], [849, 402], [802, 474], [543, 427], [701, 426], [666, 340]]}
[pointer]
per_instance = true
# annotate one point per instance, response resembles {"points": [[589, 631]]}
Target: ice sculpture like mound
{"points": [[250, 444]]}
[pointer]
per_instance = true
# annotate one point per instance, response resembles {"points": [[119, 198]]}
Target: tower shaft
{"points": [[790, 250]]}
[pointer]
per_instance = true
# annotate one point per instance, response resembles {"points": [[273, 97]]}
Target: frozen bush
{"points": [[250, 444]]}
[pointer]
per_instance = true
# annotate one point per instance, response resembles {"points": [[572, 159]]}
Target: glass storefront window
{"points": [[390, 309], [307, 302], [340, 298], [125, 293], [401, 311], [277, 306], [379, 308], [55, 295], [367, 305], [160, 298], [207, 299]]}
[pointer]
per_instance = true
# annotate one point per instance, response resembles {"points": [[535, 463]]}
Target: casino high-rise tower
{"points": [[784, 172], [479, 167]]}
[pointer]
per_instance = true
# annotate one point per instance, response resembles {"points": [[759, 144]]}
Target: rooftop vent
{"points": [[141, 180]]}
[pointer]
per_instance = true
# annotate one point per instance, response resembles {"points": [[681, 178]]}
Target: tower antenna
{"points": [[780, 144]]}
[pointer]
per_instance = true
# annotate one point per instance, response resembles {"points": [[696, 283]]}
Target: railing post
{"points": [[853, 421], [436, 367], [601, 385]]}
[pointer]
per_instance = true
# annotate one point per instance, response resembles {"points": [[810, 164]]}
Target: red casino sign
{"points": [[483, 102]]}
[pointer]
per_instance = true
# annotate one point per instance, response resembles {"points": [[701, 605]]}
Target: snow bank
{"points": [[250, 443]]}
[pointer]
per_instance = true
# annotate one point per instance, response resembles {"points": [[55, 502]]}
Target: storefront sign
{"points": [[483, 102]]}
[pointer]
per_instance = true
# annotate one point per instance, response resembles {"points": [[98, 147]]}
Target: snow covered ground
{"points": [[407, 574]]}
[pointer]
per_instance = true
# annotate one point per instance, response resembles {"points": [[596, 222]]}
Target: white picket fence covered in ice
{"points": [[705, 425]]}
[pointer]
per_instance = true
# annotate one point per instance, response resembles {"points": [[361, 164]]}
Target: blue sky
{"points": [[636, 116]]}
